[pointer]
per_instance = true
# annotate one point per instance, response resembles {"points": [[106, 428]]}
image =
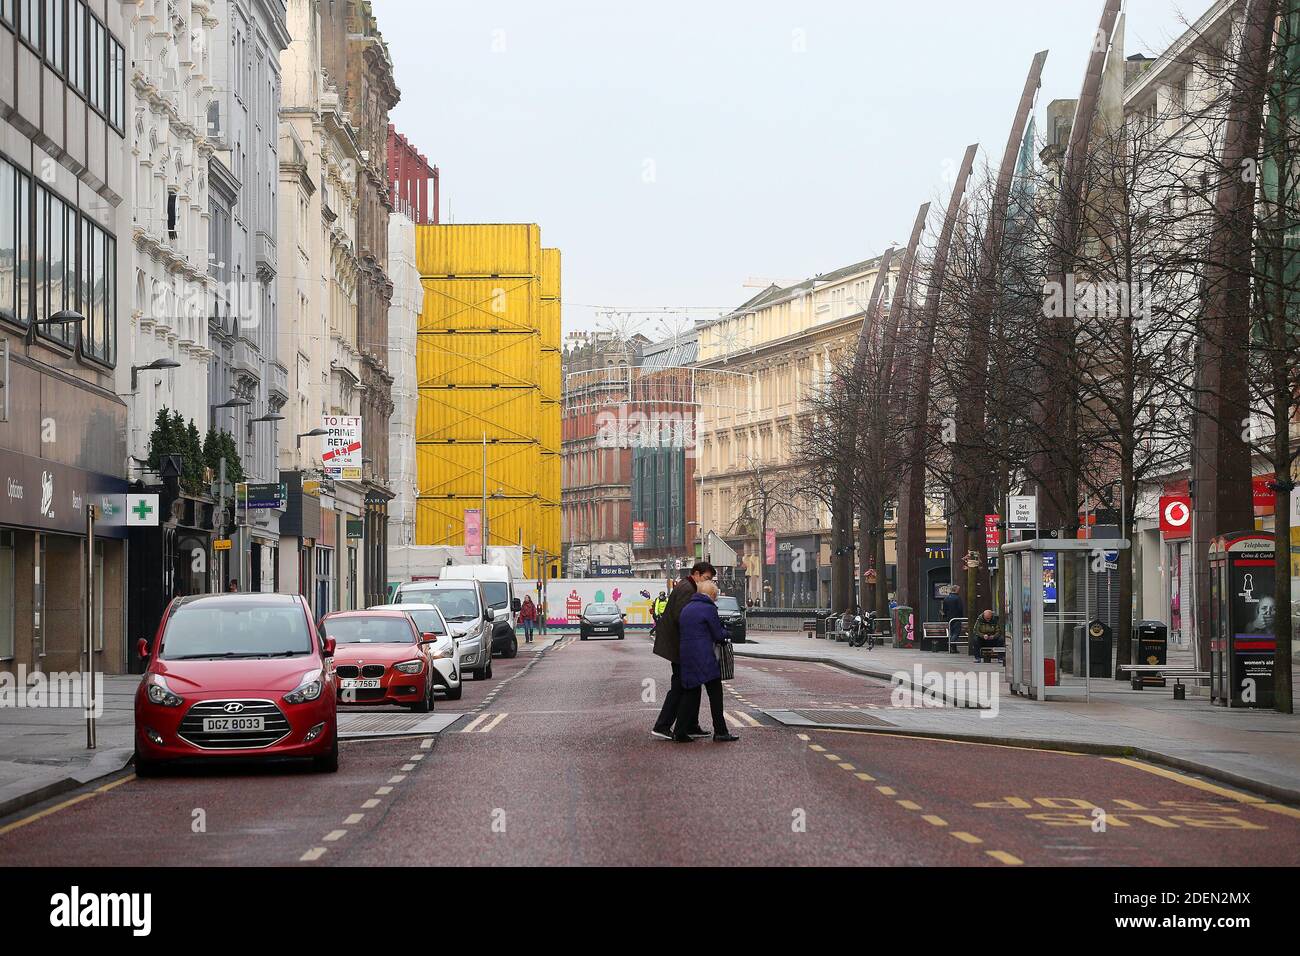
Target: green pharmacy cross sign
{"points": [[142, 510]]}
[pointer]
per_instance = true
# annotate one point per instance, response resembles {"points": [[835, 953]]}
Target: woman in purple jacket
{"points": [[700, 629]]}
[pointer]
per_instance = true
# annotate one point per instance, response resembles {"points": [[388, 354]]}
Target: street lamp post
{"points": [[157, 365]]}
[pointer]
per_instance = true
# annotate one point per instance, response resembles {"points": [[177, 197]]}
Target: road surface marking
{"points": [[353, 819], [908, 805], [887, 791], [408, 767], [729, 718], [335, 835], [847, 766], [469, 728], [397, 778], [818, 748], [1004, 857], [954, 740], [937, 821], [315, 853], [496, 720], [44, 813], [1189, 781], [745, 716], [1279, 808], [383, 791], [864, 776], [832, 757], [966, 837], [116, 783], [827, 666], [426, 743], [416, 757], [803, 737], [370, 804]]}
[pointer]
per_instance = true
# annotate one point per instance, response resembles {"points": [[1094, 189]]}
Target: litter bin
{"points": [[904, 627], [1100, 639], [1150, 645]]}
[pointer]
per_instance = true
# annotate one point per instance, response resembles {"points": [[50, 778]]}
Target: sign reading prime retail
{"points": [[341, 454]]}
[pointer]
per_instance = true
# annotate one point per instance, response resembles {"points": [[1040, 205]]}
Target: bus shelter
{"points": [[1050, 588]]}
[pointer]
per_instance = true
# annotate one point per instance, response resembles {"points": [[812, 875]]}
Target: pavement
{"points": [[1259, 749], [552, 763]]}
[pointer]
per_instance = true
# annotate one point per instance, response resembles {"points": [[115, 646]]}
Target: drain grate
{"points": [[392, 725], [852, 718]]}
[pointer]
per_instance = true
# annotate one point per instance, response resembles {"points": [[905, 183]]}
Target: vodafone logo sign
{"points": [[1176, 516]]}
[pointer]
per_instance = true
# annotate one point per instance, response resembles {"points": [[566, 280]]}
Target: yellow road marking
{"points": [[729, 718], [831, 756], [864, 776], [1004, 857], [846, 766], [966, 837], [817, 747], [468, 728], [353, 819], [937, 821], [887, 791], [1188, 781], [1280, 808], [952, 740], [383, 791], [116, 783], [44, 813], [908, 805], [744, 715], [496, 720], [370, 804], [397, 778], [315, 853], [335, 835]]}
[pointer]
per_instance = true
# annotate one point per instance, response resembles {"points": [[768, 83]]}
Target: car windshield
{"points": [[213, 629], [456, 604], [427, 621], [370, 629], [602, 608], [497, 593], [728, 604]]}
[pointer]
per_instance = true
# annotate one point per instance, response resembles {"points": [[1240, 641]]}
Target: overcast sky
{"points": [[675, 150]]}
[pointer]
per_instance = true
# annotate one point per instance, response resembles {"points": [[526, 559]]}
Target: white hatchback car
{"points": [[446, 664]]}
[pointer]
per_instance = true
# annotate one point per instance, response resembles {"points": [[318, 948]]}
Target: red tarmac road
{"points": [[553, 764]]}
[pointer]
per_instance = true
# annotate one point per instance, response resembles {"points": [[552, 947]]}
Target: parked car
{"points": [[236, 675], [601, 620], [381, 657], [732, 613], [499, 591], [465, 609], [431, 624]]}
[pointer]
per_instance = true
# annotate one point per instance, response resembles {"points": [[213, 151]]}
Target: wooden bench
{"points": [[988, 653], [934, 636], [810, 626], [1139, 672]]}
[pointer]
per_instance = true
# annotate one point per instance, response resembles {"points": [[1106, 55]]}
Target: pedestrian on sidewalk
{"points": [[953, 612], [528, 614], [987, 633], [700, 629], [668, 646]]}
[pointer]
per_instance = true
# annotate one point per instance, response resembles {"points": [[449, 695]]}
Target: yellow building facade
{"points": [[488, 375]]}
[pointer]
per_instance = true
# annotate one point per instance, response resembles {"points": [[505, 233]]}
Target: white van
{"points": [[499, 592]]}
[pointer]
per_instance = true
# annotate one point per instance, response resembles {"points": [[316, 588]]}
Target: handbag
{"points": [[726, 659]]}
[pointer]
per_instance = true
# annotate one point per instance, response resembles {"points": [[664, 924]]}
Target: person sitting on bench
{"points": [[987, 633]]}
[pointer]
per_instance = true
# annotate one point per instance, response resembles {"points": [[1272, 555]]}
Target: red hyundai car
{"points": [[381, 658], [236, 675]]}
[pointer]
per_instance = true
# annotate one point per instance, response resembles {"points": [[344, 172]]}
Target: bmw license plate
{"points": [[231, 725], [359, 683]]}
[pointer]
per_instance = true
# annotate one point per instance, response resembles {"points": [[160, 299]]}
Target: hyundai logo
{"points": [[234, 708]]}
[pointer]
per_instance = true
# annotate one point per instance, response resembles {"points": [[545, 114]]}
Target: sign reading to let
{"points": [[341, 457]]}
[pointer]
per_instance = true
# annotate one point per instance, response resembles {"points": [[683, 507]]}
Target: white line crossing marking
{"points": [[496, 720], [397, 778], [426, 743], [745, 716], [383, 791], [315, 853], [469, 728], [731, 719], [335, 835], [416, 757], [408, 767], [353, 819], [370, 804]]}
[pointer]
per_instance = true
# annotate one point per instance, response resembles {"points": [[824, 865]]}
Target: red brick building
{"points": [[412, 181]]}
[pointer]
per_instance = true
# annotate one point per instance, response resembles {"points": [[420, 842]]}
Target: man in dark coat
{"points": [[668, 646]]}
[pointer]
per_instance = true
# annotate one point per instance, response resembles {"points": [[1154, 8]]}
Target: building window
{"points": [[8, 600], [7, 13], [55, 273], [116, 83], [171, 214], [95, 65], [99, 293], [29, 22], [77, 46], [9, 242], [54, 33]]}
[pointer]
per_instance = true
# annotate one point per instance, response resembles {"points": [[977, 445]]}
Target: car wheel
{"points": [[453, 693], [488, 671], [147, 768], [328, 762], [425, 705], [513, 650], [583, 637], [480, 673]]}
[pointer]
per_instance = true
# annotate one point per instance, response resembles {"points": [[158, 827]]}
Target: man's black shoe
{"points": [[683, 739], [699, 732], [724, 738]]}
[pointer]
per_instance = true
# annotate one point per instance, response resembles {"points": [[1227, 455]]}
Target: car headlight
{"points": [[309, 688], [444, 655], [159, 693], [409, 667]]}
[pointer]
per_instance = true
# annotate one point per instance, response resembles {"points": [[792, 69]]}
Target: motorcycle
{"points": [[863, 631]]}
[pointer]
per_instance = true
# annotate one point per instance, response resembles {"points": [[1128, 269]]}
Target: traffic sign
{"points": [[141, 511], [260, 497], [221, 544], [1022, 512]]}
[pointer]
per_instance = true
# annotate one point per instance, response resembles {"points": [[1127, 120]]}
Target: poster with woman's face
{"points": [[1254, 609]]}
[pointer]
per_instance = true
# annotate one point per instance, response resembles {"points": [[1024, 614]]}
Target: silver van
{"points": [[468, 615]]}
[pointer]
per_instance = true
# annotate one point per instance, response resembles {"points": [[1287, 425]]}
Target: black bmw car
{"points": [[733, 617], [601, 620]]}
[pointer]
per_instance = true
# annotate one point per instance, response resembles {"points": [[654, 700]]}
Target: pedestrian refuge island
{"points": [[1050, 586]]}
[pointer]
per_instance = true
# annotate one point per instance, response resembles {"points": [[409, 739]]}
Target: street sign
{"points": [[257, 497], [992, 535], [221, 544], [1022, 512], [639, 533], [473, 533], [141, 511], [1175, 516], [341, 457], [356, 528]]}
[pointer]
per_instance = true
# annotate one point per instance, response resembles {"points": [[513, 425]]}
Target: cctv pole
{"points": [[483, 524], [88, 691]]}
